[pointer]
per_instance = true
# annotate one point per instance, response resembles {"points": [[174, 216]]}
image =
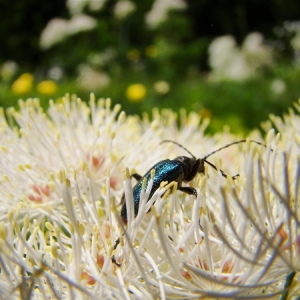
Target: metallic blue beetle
{"points": [[181, 169]]}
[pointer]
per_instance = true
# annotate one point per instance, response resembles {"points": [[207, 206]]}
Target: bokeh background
{"points": [[232, 61]]}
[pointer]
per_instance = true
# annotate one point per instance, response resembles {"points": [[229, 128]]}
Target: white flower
{"points": [[255, 51], [228, 61], [77, 6], [58, 29], [278, 86], [80, 23], [55, 72], [8, 69], [291, 30], [96, 5], [161, 87], [61, 184], [160, 9], [123, 8], [90, 79], [295, 42], [101, 58], [55, 32]]}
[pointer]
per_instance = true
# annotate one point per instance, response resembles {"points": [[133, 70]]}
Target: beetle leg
{"points": [[188, 190], [113, 259], [235, 176], [136, 176], [117, 242]]}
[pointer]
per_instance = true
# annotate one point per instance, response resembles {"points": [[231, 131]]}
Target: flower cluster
{"points": [[228, 61], [61, 185]]}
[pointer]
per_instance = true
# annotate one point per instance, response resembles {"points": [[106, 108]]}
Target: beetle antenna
{"points": [[224, 147], [204, 159], [170, 141], [233, 143], [222, 172]]}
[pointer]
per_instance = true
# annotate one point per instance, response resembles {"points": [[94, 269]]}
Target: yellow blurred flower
{"points": [[151, 51], [133, 55], [23, 84], [136, 92], [205, 113], [47, 87]]}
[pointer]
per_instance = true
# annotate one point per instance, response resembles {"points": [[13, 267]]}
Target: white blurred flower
{"points": [[55, 73], [228, 61], [59, 29], [278, 86], [291, 30], [292, 26], [96, 5], [123, 8], [80, 23], [101, 58], [255, 51], [8, 69], [77, 6], [61, 183], [160, 9], [90, 79], [225, 47], [161, 87], [55, 32], [295, 42]]}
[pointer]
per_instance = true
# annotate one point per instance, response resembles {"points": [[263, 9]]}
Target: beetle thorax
{"points": [[191, 167]]}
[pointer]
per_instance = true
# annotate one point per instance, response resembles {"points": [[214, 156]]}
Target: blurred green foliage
{"points": [[170, 60]]}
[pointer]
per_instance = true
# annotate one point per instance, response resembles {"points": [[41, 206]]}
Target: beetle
{"points": [[181, 169]]}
